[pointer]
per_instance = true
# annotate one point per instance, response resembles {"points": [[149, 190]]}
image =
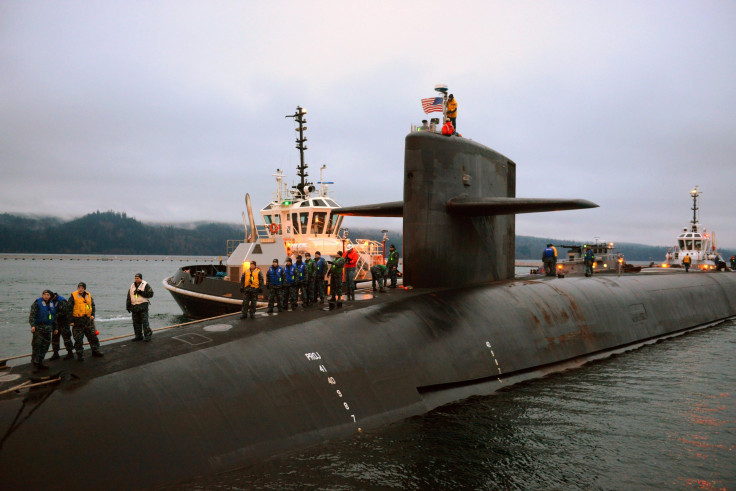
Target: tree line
{"points": [[112, 232]]}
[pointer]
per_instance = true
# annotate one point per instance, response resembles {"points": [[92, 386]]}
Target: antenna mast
{"points": [[304, 187], [695, 193]]}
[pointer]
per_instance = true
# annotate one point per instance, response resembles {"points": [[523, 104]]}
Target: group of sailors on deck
{"points": [[54, 317], [305, 280]]}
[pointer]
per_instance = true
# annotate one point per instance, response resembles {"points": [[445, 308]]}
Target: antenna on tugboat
{"points": [[304, 188], [695, 193]]}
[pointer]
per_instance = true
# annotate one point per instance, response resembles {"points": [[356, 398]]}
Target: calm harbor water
{"points": [[659, 417]]}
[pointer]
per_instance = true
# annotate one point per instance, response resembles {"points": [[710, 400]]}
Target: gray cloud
{"points": [[172, 111]]}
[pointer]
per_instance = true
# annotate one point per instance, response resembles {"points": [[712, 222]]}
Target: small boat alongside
{"points": [[607, 260], [299, 219]]}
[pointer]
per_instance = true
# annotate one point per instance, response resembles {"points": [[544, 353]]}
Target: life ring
{"points": [[274, 228]]}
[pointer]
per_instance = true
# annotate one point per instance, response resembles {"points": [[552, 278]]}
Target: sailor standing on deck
{"points": [[137, 302], [274, 283], [320, 269], [588, 260], [62, 326], [251, 282], [335, 275], [392, 263], [43, 321], [549, 259], [686, 261], [289, 294], [301, 281], [311, 275], [452, 111], [83, 314], [351, 261]]}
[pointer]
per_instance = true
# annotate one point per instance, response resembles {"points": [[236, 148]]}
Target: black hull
{"points": [[200, 294], [202, 399], [198, 308]]}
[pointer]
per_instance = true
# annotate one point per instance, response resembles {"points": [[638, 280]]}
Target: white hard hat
{"points": [[350, 246]]}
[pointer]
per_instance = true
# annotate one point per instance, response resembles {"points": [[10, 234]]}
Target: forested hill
{"points": [[112, 233], [115, 233]]}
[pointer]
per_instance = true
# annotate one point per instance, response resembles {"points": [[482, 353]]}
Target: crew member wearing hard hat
{"points": [[137, 302]]}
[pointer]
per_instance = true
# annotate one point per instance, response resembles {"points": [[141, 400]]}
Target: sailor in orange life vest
{"points": [[452, 110], [137, 304], [83, 315], [447, 128], [251, 284]]}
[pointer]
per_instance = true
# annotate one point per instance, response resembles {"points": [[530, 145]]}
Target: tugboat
{"points": [[298, 220], [607, 260], [695, 242]]}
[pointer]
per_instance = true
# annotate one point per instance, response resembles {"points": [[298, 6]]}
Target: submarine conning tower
{"points": [[459, 199]]}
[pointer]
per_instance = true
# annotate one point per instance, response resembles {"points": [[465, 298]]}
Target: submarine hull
{"points": [[232, 392]]}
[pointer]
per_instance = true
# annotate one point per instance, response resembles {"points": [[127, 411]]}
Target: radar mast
{"points": [[304, 188]]}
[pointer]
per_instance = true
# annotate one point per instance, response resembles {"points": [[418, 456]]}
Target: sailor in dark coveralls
{"points": [[289, 293], [43, 321], [62, 326], [392, 263], [274, 283], [320, 268], [335, 275], [82, 307], [137, 302], [251, 284]]}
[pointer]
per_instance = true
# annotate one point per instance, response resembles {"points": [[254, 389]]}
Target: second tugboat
{"points": [[695, 243], [298, 220]]}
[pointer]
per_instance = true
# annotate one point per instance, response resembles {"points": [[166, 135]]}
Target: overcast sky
{"points": [[171, 111]]}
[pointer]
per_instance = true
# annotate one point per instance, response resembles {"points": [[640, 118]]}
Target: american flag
{"points": [[432, 105]]}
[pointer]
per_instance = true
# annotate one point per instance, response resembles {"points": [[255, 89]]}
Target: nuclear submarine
{"points": [[224, 393]]}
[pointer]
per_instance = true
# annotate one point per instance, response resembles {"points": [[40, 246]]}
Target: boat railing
{"points": [[232, 244], [370, 253]]}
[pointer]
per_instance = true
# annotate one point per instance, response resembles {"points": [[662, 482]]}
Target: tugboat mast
{"points": [[304, 187], [695, 193]]}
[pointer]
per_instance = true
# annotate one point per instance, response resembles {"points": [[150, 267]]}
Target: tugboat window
{"points": [[689, 244], [332, 224], [318, 222], [295, 222], [319, 202], [304, 203], [267, 219], [332, 203], [303, 219], [682, 243], [698, 245]]}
